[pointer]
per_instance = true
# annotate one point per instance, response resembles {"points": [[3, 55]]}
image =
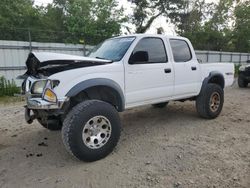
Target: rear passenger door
{"points": [[152, 80], [186, 69]]}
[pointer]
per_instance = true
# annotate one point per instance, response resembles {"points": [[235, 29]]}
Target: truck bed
{"points": [[227, 69]]}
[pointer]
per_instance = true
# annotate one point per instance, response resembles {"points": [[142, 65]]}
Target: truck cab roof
{"points": [[141, 35]]}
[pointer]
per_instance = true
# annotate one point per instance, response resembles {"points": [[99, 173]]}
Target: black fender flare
{"points": [[99, 82], [212, 75]]}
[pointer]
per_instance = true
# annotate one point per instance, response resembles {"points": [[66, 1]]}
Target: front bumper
{"points": [[38, 103], [35, 101], [39, 108]]}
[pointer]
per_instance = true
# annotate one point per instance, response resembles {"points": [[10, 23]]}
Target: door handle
{"points": [[167, 70], [194, 68]]}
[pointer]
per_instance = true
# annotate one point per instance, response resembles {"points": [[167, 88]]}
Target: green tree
{"points": [[18, 14], [190, 18], [52, 26], [241, 34], [222, 15], [92, 20], [145, 12], [206, 24], [62, 21]]}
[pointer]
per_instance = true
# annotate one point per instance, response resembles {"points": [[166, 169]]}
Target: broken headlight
{"points": [[38, 87]]}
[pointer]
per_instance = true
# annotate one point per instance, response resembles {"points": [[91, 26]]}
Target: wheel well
{"points": [[103, 93], [217, 79]]}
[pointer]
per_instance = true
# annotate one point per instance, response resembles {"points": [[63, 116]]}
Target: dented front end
{"points": [[38, 88], [42, 101], [40, 95]]}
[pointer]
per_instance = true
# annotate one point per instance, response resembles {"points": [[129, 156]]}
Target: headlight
{"points": [[50, 96], [38, 86]]}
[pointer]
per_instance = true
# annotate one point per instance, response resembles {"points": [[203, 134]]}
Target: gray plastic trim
{"points": [[99, 82]]}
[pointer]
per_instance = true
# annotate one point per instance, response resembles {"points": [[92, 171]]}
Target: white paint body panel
{"points": [[68, 79], [223, 68], [145, 83]]}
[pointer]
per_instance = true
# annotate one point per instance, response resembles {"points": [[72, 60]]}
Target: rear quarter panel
{"points": [[226, 69]]}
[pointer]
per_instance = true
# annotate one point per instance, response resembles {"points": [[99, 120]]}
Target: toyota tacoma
{"points": [[82, 96]]}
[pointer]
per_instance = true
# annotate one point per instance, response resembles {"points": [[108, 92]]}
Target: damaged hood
{"points": [[41, 64], [49, 56]]}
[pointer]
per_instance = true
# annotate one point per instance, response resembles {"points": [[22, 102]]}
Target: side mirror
{"points": [[138, 57]]}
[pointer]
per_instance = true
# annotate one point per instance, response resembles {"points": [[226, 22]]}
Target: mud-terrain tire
{"points": [[210, 101], [51, 125], [241, 82], [160, 105], [91, 130]]}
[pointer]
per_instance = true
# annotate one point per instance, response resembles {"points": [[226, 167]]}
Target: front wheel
{"points": [[241, 82], [210, 101], [91, 130]]}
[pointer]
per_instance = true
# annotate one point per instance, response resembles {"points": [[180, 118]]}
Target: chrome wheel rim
{"points": [[215, 101], [96, 132]]}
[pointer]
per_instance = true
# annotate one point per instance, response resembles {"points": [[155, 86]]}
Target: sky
{"points": [[160, 22]]}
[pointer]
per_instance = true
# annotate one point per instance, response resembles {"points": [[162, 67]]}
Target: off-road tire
{"points": [[203, 101], [160, 105], [53, 126], [77, 119], [241, 82]]}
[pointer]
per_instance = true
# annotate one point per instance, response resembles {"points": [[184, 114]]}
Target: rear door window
{"points": [[181, 50]]}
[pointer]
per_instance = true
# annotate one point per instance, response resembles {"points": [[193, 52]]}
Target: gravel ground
{"points": [[170, 147]]}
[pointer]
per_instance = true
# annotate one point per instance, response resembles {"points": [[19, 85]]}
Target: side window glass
{"points": [[155, 49], [181, 50]]}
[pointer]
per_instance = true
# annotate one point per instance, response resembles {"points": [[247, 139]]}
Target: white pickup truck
{"points": [[83, 95]]}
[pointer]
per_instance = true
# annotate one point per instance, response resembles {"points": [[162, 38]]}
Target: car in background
{"points": [[244, 75]]}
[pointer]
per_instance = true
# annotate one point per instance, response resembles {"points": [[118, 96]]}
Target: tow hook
{"points": [[29, 118]]}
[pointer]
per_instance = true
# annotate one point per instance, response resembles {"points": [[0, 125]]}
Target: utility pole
{"points": [[30, 43]]}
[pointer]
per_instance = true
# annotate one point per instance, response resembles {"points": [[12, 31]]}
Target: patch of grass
{"points": [[8, 99], [8, 88], [236, 69]]}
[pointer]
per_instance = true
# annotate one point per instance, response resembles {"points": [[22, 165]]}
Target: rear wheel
{"points": [[160, 105], [210, 101], [91, 130], [242, 82]]}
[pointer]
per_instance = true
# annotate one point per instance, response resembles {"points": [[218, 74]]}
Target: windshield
{"points": [[112, 49]]}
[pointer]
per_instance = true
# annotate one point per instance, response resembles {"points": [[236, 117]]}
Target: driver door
{"points": [[151, 80]]}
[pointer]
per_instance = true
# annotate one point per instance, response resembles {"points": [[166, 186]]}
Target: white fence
{"points": [[216, 56], [13, 55]]}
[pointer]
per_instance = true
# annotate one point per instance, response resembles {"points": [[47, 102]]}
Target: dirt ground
{"points": [[170, 147]]}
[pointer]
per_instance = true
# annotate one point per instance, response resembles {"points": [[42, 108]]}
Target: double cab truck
{"points": [[82, 96]]}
